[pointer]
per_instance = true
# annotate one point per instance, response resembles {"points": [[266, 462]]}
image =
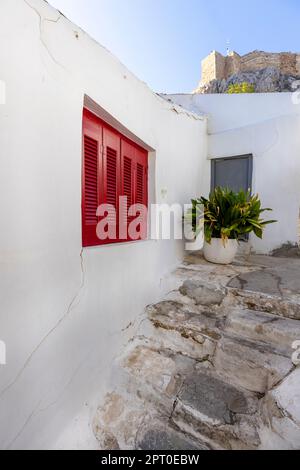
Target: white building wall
{"points": [[63, 310], [268, 126]]}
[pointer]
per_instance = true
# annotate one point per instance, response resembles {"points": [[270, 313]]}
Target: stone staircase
{"points": [[211, 365]]}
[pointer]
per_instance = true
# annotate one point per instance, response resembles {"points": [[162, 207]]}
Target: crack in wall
{"points": [[173, 107], [41, 21], [24, 426], [59, 322]]}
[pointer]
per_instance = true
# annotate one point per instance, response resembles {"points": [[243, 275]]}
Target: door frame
{"points": [[248, 157]]}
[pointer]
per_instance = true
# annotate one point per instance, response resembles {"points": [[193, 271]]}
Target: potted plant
{"points": [[227, 217]]}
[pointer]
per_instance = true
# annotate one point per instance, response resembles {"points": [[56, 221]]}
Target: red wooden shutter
{"points": [[127, 180], [141, 177], [127, 187], [111, 173], [141, 183], [92, 144]]}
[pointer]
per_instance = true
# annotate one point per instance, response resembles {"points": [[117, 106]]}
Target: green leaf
{"points": [[229, 214]]}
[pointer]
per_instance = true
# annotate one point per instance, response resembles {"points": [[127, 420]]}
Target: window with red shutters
{"points": [[113, 167]]}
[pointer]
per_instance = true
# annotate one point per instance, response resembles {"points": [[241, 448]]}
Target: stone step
{"points": [[264, 327], [125, 424], [265, 291], [268, 304], [161, 437], [196, 293], [212, 367], [201, 404], [180, 328], [220, 414], [155, 374], [201, 294], [263, 283], [253, 365], [118, 419], [197, 334]]}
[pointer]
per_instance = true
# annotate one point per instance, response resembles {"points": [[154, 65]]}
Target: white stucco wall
{"points": [[268, 126], [63, 309]]}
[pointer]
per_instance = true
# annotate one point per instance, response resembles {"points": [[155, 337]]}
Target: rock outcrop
{"points": [[267, 80]]}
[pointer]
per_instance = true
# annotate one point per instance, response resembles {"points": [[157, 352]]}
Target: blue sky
{"points": [[163, 41]]}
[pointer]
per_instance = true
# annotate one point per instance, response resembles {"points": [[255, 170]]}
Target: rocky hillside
{"points": [[267, 80]]}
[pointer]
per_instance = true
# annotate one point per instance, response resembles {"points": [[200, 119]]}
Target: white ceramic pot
{"points": [[218, 253]]}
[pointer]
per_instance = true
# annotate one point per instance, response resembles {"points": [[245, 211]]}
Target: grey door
{"points": [[234, 173]]}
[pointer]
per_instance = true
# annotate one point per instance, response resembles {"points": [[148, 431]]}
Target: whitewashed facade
{"points": [[65, 312], [266, 126]]}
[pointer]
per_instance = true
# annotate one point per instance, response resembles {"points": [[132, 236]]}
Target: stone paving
{"points": [[210, 366]]}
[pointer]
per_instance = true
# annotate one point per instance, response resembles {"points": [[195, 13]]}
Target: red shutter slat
{"points": [[127, 191], [127, 187], [140, 184], [128, 179], [91, 179], [111, 180], [112, 145], [141, 177]]}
